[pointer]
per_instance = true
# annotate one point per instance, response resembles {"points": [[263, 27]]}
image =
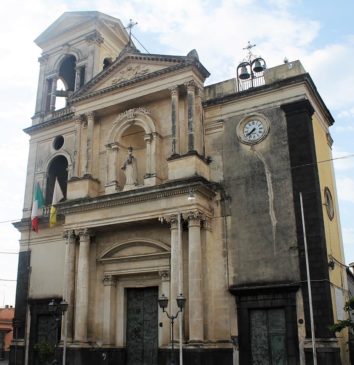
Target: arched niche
{"points": [[136, 129]]}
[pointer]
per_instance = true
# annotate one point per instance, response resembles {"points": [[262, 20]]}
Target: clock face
{"points": [[253, 130]]}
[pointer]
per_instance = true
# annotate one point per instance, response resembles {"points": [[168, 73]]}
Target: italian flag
{"points": [[57, 196], [38, 204]]}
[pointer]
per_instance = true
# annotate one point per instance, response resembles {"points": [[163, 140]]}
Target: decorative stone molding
{"points": [[95, 37], [131, 114], [129, 73], [164, 275]]}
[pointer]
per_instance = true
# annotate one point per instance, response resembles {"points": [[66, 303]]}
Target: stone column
{"points": [[199, 132], [174, 121], [41, 96], [109, 304], [82, 287], [165, 289], [77, 77], [148, 139], [90, 125], [195, 297], [191, 114], [52, 95], [173, 220], [76, 159], [69, 283], [111, 168]]}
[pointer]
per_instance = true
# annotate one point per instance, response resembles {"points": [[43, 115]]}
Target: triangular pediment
{"points": [[82, 22], [132, 67], [130, 71]]}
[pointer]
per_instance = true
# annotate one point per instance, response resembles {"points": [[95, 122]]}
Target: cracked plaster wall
{"points": [[262, 235]]}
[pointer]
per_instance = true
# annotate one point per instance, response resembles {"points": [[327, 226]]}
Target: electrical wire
{"points": [[140, 43]]}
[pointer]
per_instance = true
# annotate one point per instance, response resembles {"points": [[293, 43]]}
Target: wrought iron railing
{"points": [[249, 83]]}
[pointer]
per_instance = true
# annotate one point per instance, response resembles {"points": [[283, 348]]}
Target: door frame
{"points": [[267, 298]]}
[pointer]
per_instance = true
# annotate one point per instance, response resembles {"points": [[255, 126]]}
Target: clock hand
{"points": [[248, 134]]}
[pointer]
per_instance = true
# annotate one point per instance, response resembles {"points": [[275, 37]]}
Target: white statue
{"points": [[130, 169]]}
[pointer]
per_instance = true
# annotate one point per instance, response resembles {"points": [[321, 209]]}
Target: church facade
{"points": [[173, 187]]}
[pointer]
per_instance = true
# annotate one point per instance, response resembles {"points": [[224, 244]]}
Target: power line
{"points": [[293, 167]]}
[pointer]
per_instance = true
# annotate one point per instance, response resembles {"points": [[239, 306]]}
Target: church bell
{"points": [[244, 74], [258, 66]]}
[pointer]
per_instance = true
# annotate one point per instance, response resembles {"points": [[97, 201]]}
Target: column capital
{"points": [[164, 275], [174, 90], [69, 234], [172, 219], [112, 146], [190, 85], [90, 115], [79, 119], [43, 59], [148, 138], [109, 280], [84, 233], [194, 217], [199, 91]]}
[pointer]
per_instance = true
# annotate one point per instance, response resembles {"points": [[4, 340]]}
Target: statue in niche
{"points": [[130, 169]]}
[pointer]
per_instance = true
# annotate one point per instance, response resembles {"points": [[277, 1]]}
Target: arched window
{"points": [[58, 168]]}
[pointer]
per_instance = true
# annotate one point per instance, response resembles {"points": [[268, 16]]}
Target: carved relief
{"points": [[132, 113], [129, 73]]}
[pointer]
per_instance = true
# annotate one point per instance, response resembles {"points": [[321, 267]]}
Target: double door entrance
{"points": [[142, 326]]}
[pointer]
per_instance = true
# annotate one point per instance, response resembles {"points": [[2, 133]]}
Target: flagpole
{"points": [[308, 283]]}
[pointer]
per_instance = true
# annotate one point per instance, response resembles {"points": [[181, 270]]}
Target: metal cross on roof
{"points": [[130, 26], [250, 55]]}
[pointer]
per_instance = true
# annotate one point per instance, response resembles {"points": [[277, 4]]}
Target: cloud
{"points": [[345, 189], [343, 160]]}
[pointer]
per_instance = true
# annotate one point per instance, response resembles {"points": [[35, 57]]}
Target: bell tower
{"points": [[75, 48]]}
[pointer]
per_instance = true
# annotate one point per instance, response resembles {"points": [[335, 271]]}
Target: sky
{"points": [[318, 33]]}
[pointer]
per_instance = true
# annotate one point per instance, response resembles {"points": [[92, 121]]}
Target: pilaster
{"points": [[69, 283], [109, 304], [82, 289], [111, 168], [195, 297], [174, 121]]}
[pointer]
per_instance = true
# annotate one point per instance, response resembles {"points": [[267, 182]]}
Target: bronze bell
{"points": [[244, 74], [258, 66]]}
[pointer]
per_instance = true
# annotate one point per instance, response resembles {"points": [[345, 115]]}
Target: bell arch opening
{"points": [[57, 169]]}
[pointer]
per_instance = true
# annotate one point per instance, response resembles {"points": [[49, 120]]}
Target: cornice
{"points": [[175, 188], [49, 123], [303, 78]]}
